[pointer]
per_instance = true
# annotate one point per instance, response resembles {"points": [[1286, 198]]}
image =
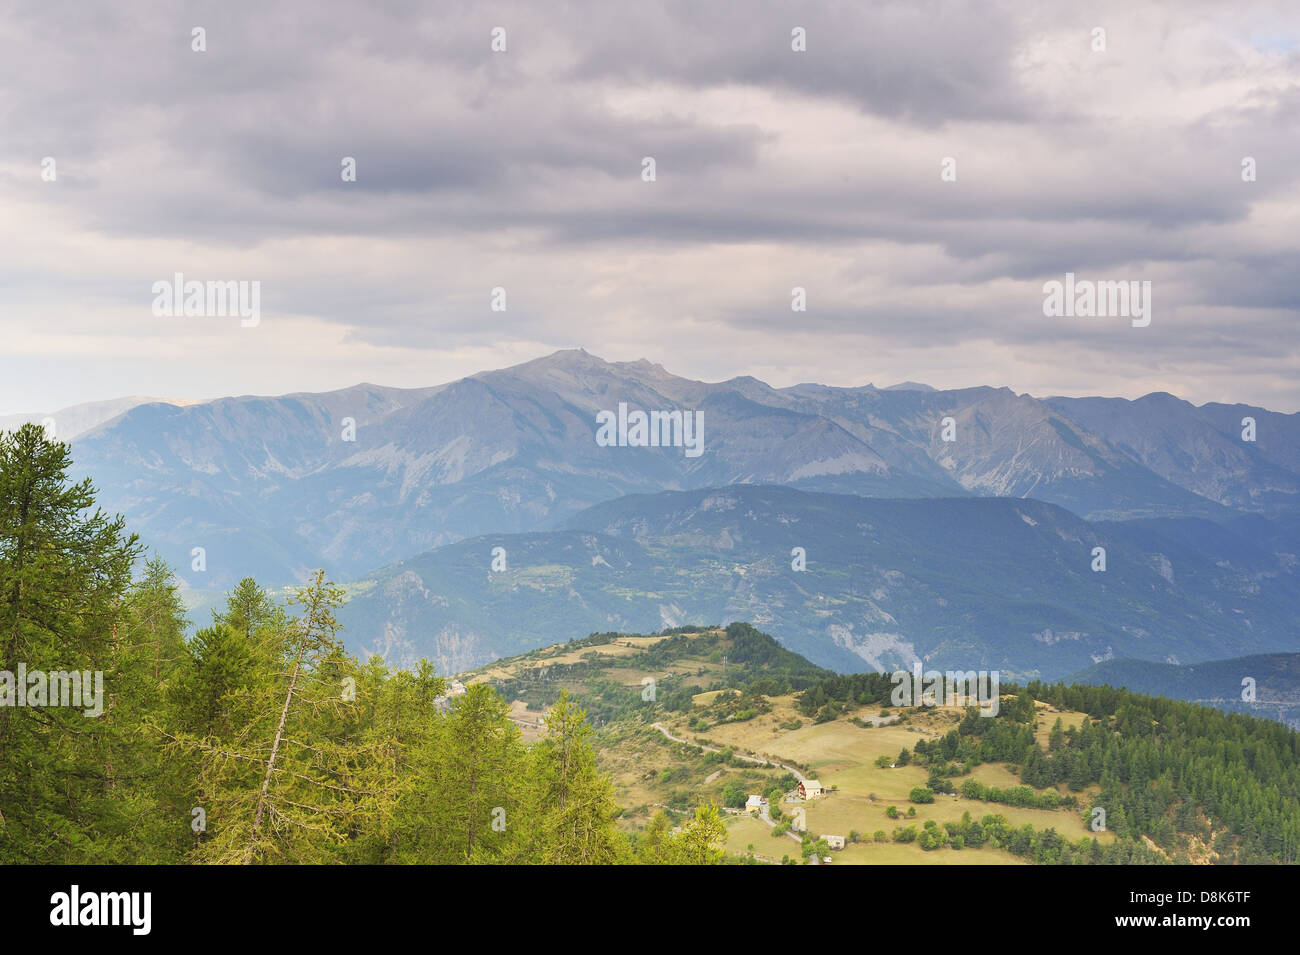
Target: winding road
{"points": [[765, 814], [749, 759]]}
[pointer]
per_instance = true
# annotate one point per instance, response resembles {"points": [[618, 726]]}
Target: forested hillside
{"points": [[1164, 773], [258, 739]]}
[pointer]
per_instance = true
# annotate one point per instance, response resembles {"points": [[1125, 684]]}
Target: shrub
{"points": [[921, 794], [931, 839], [734, 796]]}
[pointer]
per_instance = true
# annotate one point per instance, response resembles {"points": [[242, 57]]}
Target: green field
{"points": [[842, 755]]}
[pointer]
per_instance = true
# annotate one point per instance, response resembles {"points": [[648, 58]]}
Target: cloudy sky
{"points": [[775, 168]]}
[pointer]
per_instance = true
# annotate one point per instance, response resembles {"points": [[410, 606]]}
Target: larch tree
{"points": [[572, 803], [64, 572]]}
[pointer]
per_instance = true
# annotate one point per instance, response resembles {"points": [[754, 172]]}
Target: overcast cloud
{"points": [[775, 168]]}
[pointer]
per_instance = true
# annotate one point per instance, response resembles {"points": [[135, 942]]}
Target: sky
{"points": [[774, 168]]}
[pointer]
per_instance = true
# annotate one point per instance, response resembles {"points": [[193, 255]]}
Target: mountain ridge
{"points": [[355, 478], [975, 583]]}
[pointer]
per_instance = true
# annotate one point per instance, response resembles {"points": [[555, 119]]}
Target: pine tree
{"points": [[397, 710], [149, 787], [156, 616], [64, 572], [702, 839], [572, 803], [479, 772], [280, 785]]}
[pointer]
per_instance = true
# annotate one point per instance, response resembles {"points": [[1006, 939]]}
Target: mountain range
{"points": [[941, 525], [273, 487]]}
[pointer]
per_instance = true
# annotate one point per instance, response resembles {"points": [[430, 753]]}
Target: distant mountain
{"points": [[1200, 449], [76, 420], [1275, 683], [958, 583], [1005, 445], [352, 479], [909, 386], [248, 480]]}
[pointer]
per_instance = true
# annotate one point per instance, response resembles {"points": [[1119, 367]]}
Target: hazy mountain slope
{"points": [[1005, 445], [969, 583], [1218, 683], [232, 476], [76, 420], [1200, 449]]}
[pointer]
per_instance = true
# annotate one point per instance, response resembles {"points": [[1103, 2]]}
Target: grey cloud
{"points": [[523, 169]]}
